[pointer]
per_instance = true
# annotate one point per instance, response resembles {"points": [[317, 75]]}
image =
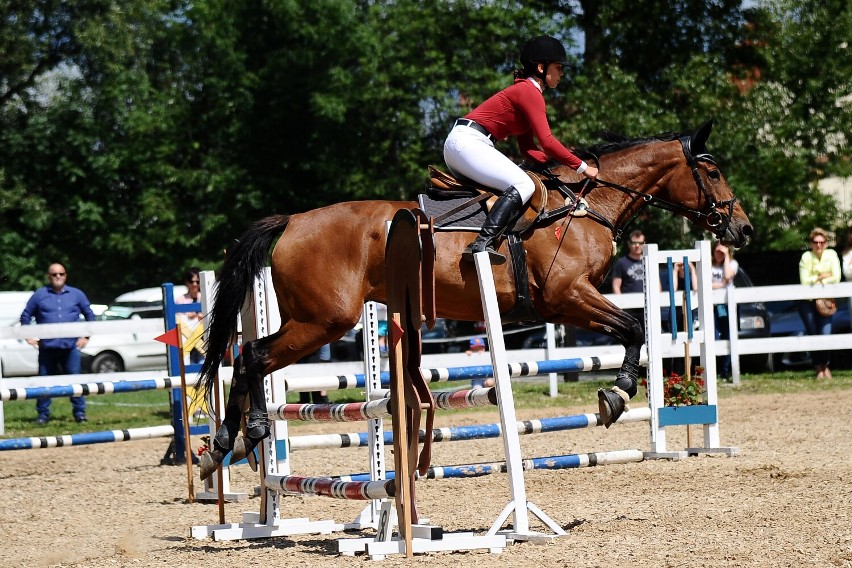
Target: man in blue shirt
{"points": [[57, 303]]}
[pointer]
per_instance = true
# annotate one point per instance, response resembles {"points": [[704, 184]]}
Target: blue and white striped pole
{"points": [[551, 462], [440, 375]]}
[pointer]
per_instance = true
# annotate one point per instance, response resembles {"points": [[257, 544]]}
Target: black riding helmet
{"points": [[542, 49]]}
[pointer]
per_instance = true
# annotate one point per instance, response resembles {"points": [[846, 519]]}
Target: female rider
{"points": [[518, 110]]}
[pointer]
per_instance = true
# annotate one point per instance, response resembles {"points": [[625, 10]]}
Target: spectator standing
{"points": [[382, 318], [678, 282], [820, 265], [628, 274], [477, 345], [323, 354], [722, 273], [191, 320], [680, 278], [680, 285], [58, 303]]}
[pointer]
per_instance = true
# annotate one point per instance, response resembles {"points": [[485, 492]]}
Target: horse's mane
{"points": [[614, 142]]}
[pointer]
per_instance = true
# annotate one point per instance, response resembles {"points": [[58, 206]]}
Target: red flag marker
{"points": [[170, 338], [396, 332]]}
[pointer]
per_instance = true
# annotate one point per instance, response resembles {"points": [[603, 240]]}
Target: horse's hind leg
{"points": [[254, 363], [227, 434], [247, 381], [259, 358]]}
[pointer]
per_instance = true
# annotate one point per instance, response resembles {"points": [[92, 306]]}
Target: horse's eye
{"points": [[714, 175]]}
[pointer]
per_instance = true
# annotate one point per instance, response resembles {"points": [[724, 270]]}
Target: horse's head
{"points": [[701, 189], [672, 171]]}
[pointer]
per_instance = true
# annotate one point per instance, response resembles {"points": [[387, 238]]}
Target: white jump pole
{"points": [[518, 505], [211, 484], [369, 517]]}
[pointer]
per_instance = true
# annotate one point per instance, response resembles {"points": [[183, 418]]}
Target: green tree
{"points": [[141, 138]]}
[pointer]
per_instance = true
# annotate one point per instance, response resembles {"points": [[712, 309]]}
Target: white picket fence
{"points": [[730, 296], [736, 347]]}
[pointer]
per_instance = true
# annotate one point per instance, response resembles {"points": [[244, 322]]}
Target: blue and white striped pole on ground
{"points": [[462, 433], [551, 462], [88, 389]]}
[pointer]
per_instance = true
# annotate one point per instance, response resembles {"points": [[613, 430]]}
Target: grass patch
{"points": [[151, 408], [104, 412]]}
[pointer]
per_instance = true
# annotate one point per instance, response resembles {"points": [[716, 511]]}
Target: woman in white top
{"points": [[724, 267]]}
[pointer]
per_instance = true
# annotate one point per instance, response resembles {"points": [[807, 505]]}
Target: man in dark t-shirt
{"points": [[628, 274]]}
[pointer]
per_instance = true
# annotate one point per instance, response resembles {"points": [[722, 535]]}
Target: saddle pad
{"points": [[468, 219]]}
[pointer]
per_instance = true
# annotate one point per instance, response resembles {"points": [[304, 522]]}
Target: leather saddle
{"points": [[453, 204], [470, 202]]}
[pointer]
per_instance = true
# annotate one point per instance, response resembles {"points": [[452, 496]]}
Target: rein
{"points": [[719, 220]]}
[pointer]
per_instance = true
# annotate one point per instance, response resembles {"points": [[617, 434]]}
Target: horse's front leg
{"points": [[247, 381], [588, 309], [612, 402]]}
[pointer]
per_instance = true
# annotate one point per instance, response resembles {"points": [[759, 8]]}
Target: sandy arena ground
{"points": [[785, 501]]}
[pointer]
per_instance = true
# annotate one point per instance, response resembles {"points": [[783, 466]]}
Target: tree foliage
{"points": [[141, 137]]}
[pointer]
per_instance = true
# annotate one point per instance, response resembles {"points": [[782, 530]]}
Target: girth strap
{"points": [[523, 310]]}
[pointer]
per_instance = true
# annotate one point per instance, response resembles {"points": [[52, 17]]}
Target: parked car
{"points": [[12, 304], [149, 298], [785, 321], [753, 322], [15, 360], [118, 352], [17, 357], [130, 351]]}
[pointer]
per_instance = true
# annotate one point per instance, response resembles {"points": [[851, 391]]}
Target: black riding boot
{"points": [[501, 214]]}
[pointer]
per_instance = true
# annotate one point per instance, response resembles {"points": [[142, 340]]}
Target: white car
{"points": [[17, 357], [104, 353], [118, 352], [108, 353]]}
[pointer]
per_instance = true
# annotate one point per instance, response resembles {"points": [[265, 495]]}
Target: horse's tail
{"points": [[243, 263]]}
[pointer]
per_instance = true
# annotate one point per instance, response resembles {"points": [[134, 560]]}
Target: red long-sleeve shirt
{"points": [[519, 111]]}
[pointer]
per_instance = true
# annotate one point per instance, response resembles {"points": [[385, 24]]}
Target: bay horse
{"points": [[327, 262]]}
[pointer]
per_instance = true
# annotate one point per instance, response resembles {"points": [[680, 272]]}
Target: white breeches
{"points": [[469, 153]]}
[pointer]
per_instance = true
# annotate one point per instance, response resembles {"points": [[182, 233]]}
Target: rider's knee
{"points": [[525, 188]]}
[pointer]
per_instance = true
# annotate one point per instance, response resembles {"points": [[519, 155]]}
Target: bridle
{"points": [[718, 214]]}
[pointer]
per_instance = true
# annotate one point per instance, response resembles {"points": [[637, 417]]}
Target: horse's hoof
{"points": [[208, 465], [242, 446], [611, 405], [252, 461]]}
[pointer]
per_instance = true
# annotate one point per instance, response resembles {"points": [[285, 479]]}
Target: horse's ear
{"points": [[699, 139]]}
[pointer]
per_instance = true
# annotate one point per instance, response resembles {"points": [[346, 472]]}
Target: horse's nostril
{"points": [[748, 230]]}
